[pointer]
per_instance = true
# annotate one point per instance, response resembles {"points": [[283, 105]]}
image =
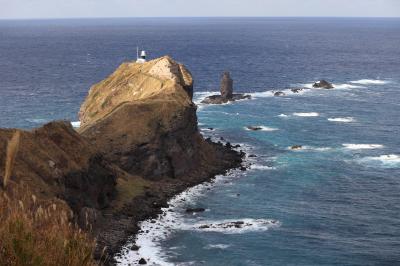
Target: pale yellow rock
{"points": [[159, 79]]}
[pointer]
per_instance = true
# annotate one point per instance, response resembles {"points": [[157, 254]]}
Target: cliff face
{"points": [[143, 118], [138, 146], [55, 161]]}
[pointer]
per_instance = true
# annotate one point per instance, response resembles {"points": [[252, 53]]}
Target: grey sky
{"points": [[178, 8]]}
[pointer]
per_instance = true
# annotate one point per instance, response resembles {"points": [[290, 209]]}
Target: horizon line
{"points": [[185, 17]]}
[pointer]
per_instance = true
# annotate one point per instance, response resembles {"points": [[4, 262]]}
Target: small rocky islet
{"points": [[227, 94]]}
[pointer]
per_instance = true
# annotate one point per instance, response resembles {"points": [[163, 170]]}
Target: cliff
{"points": [[138, 146], [143, 118]]}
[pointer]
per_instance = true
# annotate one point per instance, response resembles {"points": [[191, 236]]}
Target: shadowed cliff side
{"points": [[142, 119]]}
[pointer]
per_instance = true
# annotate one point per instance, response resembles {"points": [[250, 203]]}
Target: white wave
{"points": [[386, 161], [311, 114], [308, 85], [217, 246], [238, 226], [271, 93], [283, 115], [346, 86], [262, 128], [37, 120], [369, 82], [351, 146], [76, 124], [261, 167], [342, 119]]}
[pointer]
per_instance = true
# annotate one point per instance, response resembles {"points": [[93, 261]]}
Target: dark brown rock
{"points": [[226, 86], [323, 84]]}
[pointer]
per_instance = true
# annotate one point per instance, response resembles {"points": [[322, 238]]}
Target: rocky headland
{"points": [[227, 94], [138, 146]]}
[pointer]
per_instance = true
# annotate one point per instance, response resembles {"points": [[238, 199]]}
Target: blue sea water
{"points": [[334, 202]]}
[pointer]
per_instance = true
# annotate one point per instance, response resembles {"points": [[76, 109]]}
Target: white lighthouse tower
{"points": [[142, 58]]}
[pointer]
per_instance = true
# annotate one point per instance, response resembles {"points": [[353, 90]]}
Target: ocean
{"points": [[335, 201]]}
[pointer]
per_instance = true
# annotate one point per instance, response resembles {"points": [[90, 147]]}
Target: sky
{"points": [[15, 9]]}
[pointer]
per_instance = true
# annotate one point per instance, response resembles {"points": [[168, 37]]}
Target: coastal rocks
{"points": [[296, 90], [227, 94], [142, 261], [296, 147], [279, 93], [254, 128], [232, 226], [323, 84], [194, 210]]}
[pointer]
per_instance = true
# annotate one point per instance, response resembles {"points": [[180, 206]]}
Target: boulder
{"points": [[279, 93], [296, 90], [142, 261], [296, 147], [323, 84]]}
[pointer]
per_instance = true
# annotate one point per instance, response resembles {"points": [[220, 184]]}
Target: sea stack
{"points": [[226, 86], [226, 91]]}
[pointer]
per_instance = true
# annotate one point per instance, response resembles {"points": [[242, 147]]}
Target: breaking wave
{"points": [[262, 128], [76, 124], [370, 82], [311, 114], [342, 119], [351, 146], [385, 161]]}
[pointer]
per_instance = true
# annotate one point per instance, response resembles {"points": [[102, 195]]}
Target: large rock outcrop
{"points": [[143, 118]]}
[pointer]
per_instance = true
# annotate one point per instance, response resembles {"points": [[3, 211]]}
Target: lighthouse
{"points": [[142, 58]]}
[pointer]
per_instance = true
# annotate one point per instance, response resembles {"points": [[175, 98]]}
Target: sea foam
{"points": [[384, 161], [370, 82], [351, 146], [76, 124], [263, 128], [342, 119], [311, 114]]}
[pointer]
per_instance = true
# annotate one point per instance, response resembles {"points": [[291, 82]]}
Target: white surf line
{"points": [[352, 146], [370, 82], [310, 114], [342, 119]]}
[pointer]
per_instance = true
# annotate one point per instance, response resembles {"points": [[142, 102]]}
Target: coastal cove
{"points": [[290, 174]]}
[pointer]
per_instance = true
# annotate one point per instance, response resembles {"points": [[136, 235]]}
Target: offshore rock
{"points": [[226, 86], [227, 94], [323, 84]]}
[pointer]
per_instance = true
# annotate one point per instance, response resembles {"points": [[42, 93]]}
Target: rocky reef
{"points": [[226, 90], [138, 145]]}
